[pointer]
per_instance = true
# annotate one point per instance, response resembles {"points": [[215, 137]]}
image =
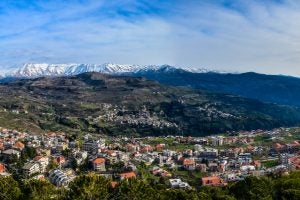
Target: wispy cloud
{"points": [[235, 35]]}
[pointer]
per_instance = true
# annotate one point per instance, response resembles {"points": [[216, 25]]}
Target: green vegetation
{"points": [[180, 147], [292, 136], [159, 140], [9, 189], [40, 190], [192, 177], [266, 88], [89, 187], [93, 186], [269, 163], [74, 104], [144, 172]]}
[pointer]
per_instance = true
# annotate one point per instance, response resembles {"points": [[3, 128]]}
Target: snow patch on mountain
{"points": [[44, 69], [30, 70]]}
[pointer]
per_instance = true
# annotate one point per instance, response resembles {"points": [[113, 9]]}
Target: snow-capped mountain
{"points": [[31, 70], [44, 69]]}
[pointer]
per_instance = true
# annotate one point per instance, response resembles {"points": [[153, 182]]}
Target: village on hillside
{"points": [[177, 161]]}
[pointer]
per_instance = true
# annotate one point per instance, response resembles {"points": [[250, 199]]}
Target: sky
{"points": [[227, 35]]}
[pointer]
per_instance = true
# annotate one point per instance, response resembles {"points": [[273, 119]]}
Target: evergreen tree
{"points": [[9, 189], [39, 190], [89, 187]]}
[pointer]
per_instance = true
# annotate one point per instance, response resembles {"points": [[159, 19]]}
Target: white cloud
{"points": [[263, 37]]}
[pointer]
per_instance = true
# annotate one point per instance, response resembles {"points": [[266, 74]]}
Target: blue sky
{"points": [[230, 35]]}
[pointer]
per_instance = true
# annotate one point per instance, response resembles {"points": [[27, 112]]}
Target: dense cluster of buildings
{"points": [[220, 159]]}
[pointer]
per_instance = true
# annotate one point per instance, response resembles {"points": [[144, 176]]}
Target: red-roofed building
{"points": [[295, 161], [19, 145], [278, 147], [99, 164], [146, 149], [37, 158], [131, 147], [127, 175], [2, 168], [212, 181], [189, 164]]}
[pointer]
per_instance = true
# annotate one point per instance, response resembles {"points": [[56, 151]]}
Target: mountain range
{"points": [[277, 89], [145, 100], [98, 103], [31, 70]]}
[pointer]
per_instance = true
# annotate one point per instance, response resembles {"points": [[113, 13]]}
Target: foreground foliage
{"points": [[96, 187]]}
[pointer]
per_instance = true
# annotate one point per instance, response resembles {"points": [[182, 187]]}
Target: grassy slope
{"points": [[72, 104]]}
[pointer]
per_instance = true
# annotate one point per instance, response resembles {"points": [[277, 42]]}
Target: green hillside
{"points": [[114, 105]]}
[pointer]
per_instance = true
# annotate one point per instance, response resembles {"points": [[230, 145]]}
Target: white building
{"points": [[247, 168], [10, 152], [198, 147], [245, 158], [208, 153], [59, 178], [31, 168], [217, 141], [43, 162], [91, 144], [178, 183]]}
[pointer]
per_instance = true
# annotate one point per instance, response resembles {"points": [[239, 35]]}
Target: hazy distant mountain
{"points": [[268, 88], [94, 102]]}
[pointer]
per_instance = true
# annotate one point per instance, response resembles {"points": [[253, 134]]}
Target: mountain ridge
{"points": [[32, 70], [277, 89], [100, 103]]}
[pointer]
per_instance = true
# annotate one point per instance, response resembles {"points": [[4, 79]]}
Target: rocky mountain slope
{"points": [[98, 103], [268, 88]]}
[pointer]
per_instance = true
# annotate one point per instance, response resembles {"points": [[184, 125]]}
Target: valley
{"points": [[122, 105]]}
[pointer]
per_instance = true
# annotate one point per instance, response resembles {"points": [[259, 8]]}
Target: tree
{"points": [[65, 152], [73, 163], [253, 188], [118, 167], [288, 187], [215, 193], [27, 153], [85, 166], [9, 189], [52, 165], [39, 190], [88, 187], [134, 189], [177, 194]]}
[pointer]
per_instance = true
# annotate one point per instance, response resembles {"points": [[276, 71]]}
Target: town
{"points": [[178, 161]]}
